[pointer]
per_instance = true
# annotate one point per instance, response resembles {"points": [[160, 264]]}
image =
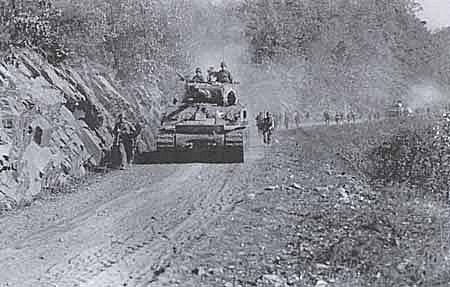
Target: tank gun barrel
{"points": [[182, 78]]}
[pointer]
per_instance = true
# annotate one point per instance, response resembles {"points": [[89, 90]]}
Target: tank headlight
{"points": [[231, 98]]}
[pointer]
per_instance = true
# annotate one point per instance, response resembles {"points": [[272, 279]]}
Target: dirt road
{"points": [[122, 229], [271, 221]]}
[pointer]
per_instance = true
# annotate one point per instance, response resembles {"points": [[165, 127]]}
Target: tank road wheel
{"points": [[165, 148], [234, 148]]}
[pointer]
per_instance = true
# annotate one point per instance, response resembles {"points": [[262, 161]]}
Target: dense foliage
{"points": [[133, 37], [32, 23]]}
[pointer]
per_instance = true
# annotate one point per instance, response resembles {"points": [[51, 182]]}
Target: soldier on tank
{"points": [[198, 76], [212, 75], [124, 134], [223, 75]]}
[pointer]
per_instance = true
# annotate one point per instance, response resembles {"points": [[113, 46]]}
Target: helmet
{"points": [[198, 70]]}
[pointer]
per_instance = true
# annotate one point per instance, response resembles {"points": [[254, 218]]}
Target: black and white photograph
{"points": [[224, 143]]}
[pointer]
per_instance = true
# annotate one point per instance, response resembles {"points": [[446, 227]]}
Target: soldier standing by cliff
{"points": [[124, 133], [297, 119], [133, 147]]}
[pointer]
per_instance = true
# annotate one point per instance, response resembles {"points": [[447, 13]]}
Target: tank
{"points": [[208, 124]]}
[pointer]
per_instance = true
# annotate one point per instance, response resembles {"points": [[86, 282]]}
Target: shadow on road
{"points": [[155, 157]]}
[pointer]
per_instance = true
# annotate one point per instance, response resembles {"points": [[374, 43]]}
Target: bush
{"points": [[419, 158]]}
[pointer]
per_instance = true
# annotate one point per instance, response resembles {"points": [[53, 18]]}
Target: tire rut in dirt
{"points": [[190, 230], [148, 252]]}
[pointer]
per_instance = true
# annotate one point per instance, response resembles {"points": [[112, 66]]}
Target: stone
{"points": [[321, 283], [296, 186], [321, 189], [274, 280], [272, 187]]}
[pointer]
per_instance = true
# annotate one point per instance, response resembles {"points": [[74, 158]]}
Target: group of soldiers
{"points": [[373, 116], [339, 117], [221, 76], [266, 122], [289, 120]]}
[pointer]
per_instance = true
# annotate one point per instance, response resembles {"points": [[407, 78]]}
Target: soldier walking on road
{"points": [[326, 117], [286, 120], [124, 134], [260, 122], [297, 119], [349, 117], [353, 115], [337, 118], [268, 128]]}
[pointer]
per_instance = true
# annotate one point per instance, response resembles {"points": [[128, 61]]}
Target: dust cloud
{"points": [[426, 95], [366, 84]]}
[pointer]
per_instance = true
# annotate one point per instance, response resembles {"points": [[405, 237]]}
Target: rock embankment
{"points": [[56, 121]]}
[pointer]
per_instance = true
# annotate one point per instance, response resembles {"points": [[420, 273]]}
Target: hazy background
{"points": [[435, 12]]}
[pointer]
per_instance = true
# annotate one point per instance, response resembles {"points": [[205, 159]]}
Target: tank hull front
{"points": [[199, 147]]}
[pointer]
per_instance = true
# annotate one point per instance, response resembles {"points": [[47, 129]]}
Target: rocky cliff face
{"points": [[56, 121]]}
